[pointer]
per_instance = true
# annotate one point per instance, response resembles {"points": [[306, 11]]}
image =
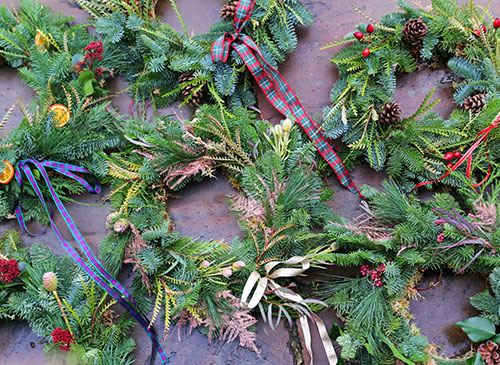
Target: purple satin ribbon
{"points": [[96, 272]]}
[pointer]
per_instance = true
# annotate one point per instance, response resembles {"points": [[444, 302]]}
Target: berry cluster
{"points": [[94, 52], [64, 338], [450, 156], [375, 275], [359, 36], [496, 25], [9, 270]]}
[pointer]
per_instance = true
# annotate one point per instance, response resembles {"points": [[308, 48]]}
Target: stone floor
{"points": [[200, 210]]}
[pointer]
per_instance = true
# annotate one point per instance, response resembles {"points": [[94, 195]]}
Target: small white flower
{"points": [[287, 125]]}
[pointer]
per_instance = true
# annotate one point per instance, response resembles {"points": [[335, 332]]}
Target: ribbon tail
{"points": [[306, 331], [105, 280], [325, 339], [281, 96]]}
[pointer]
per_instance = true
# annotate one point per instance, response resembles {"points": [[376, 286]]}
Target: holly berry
{"points": [[448, 156], [496, 23], [370, 28], [359, 35], [366, 52], [449, 165], [457, 154], [478, 32]]}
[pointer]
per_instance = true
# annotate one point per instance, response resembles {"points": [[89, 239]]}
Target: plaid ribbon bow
{"points": [[276, 88]]}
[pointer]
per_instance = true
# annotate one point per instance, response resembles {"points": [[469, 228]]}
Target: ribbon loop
{"points": [[267, 283], [96, 271], [276, 89]]}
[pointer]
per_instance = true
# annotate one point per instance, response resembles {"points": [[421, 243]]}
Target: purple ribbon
{"points": [[96, 272]]}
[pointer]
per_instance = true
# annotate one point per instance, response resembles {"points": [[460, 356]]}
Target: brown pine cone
{"points": [[475, 103], [187, 90], [390, 113], [415, 31], [490, 353], [228, 11]]}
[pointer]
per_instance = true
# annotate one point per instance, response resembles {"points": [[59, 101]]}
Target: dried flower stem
{"points": [[62, 311]]}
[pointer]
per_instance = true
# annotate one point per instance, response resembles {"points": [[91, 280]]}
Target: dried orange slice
{"points": [[61, 114], [7, 173], [41, 41]]}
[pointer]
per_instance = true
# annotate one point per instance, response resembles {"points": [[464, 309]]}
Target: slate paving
{"points": [[201, 210]]}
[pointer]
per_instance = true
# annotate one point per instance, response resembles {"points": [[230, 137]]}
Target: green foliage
{"points": [[151, 55], [79, 142], [86, 306], [413, 150], [487, 303]]}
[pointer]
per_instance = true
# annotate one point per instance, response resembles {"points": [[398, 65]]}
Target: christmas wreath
{"points": [[167, 65], [421, 147], [287, 226], [191, 280]]}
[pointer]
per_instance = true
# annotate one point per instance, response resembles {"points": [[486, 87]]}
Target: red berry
{"points": [[358, 35], [496, 23], [449, 165], [370, 28], [366, 52], [478, 32], [448, 156], [457, 154]]}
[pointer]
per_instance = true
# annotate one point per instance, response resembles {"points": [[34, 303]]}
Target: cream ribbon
{"points": [[267, 283]]}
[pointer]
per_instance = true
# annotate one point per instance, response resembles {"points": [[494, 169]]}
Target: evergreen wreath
{"points": [[165, 65], [420, 147], [281, 198]]}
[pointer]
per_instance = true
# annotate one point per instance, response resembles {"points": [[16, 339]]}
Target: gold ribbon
{"points": [[267, 283]]}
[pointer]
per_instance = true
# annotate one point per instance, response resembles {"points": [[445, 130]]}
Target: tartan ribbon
{"points": [[95, 269], [267, 283], [276, 89], [480, 138]]}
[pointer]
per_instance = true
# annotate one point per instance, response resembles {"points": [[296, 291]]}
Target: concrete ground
{"points": [[200, 210]]}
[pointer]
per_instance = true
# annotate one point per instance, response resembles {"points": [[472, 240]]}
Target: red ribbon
{"points": [[482, 136]]}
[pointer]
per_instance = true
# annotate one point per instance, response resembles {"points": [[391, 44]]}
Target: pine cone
{"points": [[390, 113], [415, 31], [228, 11], [475, 103], [187, 90], [490, 353]]}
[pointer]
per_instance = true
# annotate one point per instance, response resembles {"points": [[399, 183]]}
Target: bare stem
{"points": [[62, 311]]}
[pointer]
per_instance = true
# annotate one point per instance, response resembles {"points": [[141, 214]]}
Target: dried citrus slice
{"points": [[61, 114], [41, 41], [7, 173]]}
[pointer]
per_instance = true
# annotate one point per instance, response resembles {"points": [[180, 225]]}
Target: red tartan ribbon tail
{"points": [[277, 90]]}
